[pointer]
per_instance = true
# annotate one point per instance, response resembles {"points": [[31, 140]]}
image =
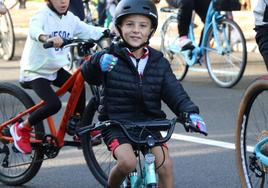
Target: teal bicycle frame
{"points": [[147, 176], [258, 153]]}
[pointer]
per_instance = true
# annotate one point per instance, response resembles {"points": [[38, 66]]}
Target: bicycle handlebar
{"points": [[159, 125], [90, 42], [153, 125]]}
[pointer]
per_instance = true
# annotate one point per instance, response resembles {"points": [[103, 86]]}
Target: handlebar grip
{"points": [[165, 9], [48, 44]]}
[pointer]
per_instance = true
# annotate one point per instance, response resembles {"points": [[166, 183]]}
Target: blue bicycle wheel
{"points": [[226, 60]]}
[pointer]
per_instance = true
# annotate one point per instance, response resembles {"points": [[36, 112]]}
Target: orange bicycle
{"points": [[15, 105]]}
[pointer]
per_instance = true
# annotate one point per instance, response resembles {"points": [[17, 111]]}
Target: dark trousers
{"points": [[262, 41], [102, 12], [77, 8], [186, 8], [43, 89]]}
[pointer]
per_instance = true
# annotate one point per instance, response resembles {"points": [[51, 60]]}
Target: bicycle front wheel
{"points": [[7, 37], [226, 59], [251, 127], [99, 160], [17, 168], [169, 34]]}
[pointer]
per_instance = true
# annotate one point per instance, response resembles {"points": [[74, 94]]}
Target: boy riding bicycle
{"points": [[42, 67], [135, 79]]}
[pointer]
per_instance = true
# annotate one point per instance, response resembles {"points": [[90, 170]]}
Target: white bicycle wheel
{"points": [[169, 34], [226, 63], [7, 37]]}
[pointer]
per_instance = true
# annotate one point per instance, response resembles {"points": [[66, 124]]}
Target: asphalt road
{"points": [[199, 162]]}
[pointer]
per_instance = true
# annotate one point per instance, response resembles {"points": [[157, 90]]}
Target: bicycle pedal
{"points": [[76, 138], [70, 130]]}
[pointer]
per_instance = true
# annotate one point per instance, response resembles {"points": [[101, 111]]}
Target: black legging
{"points": [[262, 41], [186, 10], [101, 11], [43, 89]]}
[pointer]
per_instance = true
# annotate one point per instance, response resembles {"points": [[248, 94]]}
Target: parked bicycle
{"points": [[101, 161], [222, 46], [252, 135], [15, 104], [7, 36]]}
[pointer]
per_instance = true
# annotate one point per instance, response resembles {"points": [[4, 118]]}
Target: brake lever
{"points": [[188, 126]]}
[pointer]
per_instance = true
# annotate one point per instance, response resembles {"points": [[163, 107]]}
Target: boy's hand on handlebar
{"points": [[57, 41], [107, 62], [193, 123], [197, 124]]}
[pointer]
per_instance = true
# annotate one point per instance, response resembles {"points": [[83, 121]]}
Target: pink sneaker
{"points": [[21, 137]]}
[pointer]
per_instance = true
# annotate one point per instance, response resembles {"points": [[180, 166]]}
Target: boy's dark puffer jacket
{"points": [[127, 96]]}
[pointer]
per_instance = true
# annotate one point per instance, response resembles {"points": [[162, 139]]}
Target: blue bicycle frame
{"points": [[147, 175], [191, 56], [257, 151]]}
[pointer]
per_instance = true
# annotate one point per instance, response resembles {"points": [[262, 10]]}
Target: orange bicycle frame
{"points": [[76, 81]]}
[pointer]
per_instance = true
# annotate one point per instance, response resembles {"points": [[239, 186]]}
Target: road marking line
{"points": [[226, 145]]}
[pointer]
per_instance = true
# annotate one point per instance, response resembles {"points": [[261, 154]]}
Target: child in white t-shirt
{"points": [[39, 67]]}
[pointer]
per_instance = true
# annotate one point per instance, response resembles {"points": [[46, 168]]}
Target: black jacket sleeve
{"points": [[91, 70], [174, 95]]}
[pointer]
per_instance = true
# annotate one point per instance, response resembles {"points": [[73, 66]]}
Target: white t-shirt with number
{"points": [[37, 62]]}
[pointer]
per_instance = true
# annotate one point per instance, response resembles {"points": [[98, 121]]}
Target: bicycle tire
{"points": [[12, 101], [7, 37], [226, 68], [99, 160], [252, 121], [169, 33]]}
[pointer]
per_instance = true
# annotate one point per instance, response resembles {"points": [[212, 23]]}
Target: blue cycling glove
{"points": [[107, 62], [198, 124]]}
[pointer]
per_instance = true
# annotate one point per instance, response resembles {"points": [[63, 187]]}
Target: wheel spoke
{"points": [[226, 66]]}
